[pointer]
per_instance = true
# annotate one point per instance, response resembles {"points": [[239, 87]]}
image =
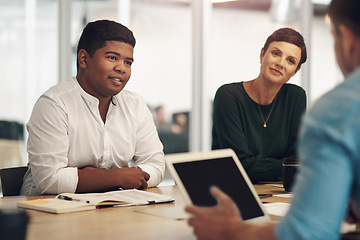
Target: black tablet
{"points": [[195, 173]]}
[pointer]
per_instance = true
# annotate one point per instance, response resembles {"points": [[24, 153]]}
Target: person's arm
{"points": [[223, 222], [95, 179], [48, 146], [295, 109], [327, 146], [149, 155]]}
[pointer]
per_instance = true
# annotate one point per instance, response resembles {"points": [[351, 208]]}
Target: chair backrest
{"points": [[12, 180]]}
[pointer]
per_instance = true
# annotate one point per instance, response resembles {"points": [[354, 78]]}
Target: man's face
{"points": [[108, 71], [279, 62]]}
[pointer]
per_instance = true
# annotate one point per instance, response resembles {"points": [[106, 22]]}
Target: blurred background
{"points": [[185, 51]]}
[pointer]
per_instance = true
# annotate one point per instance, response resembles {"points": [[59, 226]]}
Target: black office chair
{"points": [[12, 180]]}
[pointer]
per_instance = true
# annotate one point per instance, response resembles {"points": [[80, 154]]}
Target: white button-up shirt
{"points": [[66, 132]]}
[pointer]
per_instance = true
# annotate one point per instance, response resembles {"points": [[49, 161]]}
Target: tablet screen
{"points": [[198, 176]]}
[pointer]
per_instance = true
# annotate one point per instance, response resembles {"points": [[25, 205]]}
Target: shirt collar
{"points": [[87, 97]]}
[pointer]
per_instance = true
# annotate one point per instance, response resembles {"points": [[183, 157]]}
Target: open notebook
{"points": [[74, 202], [195, 173]]}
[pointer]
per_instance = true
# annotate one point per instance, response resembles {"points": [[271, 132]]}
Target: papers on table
{"points": [[286, 195], [279, 185], [277, 208]]}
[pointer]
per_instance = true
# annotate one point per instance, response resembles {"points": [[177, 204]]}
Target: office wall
{"points": [[27, 68], [162, 70], [163, 65], [237, 38]]}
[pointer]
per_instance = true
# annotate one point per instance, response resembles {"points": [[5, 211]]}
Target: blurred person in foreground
{"points": [[329, 150], [259, 119], [83, 133]]}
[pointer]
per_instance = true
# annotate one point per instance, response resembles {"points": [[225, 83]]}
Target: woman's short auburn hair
{"points": [[288, 35]]}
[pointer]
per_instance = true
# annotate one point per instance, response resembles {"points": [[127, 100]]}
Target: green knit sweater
{"points": [[237, 124]]}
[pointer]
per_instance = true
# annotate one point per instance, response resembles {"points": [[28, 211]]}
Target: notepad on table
{"points": [[74, 202], [54, 205]]}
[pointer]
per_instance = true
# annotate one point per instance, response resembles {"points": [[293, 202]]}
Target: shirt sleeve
{"points": [[323, 185], [149, 154], [48, 146]]}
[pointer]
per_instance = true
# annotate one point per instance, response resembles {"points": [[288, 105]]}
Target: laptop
{"points": [[195, 173]]}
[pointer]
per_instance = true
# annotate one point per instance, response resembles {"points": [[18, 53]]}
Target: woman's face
{"points": [[279, 62]]}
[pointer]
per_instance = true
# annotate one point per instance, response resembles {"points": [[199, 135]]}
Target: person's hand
{"points": [[133, 177], [215, 222]]}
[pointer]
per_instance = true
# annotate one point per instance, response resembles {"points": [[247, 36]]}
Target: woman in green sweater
{"points": [[259, 119]]}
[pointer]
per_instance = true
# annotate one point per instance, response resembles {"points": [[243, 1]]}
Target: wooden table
{"points": [[116, 223], [265, 188]]}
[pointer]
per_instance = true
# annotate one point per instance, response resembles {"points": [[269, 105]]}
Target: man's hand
{"points": [[223, 222], [214, 222], [133, 177]]}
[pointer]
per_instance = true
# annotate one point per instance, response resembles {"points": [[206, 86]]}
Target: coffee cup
{"points": [[289, 170]]}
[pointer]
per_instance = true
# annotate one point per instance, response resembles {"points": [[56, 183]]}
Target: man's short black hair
{"points": [[346, 12], [95, 35]]}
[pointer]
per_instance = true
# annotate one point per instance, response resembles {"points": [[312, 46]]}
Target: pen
{"points": [[70, 198], [265, 195]]}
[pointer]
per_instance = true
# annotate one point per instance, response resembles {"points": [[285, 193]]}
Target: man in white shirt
{"points": [[83, 133]]}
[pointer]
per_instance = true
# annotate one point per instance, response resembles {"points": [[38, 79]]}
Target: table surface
{"points": [[120, 222]]}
